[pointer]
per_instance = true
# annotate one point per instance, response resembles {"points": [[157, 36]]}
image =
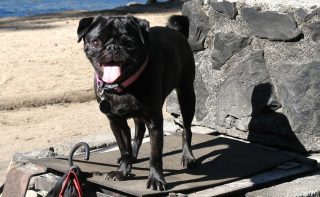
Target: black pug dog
{"points": [[136, 68]]}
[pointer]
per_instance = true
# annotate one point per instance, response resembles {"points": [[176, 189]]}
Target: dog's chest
{"points": [[124, 105]]}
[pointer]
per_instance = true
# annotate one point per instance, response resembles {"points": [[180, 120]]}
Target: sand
{"points": [[46, 82]]}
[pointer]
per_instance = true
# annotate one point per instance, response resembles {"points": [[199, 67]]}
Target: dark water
{"points": [[16, 8]]}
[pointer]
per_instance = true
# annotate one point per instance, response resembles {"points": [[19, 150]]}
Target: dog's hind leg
{"points": [[186, 98], [156, 179], [140, 129]]}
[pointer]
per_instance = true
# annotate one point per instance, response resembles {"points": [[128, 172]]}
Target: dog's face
{"points": [[114, 45]]}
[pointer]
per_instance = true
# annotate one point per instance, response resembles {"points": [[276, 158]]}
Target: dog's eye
{"points": [[130, 44], [96, 43]]}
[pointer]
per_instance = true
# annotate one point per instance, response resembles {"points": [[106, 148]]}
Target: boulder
{"points": [[225, 46], [199, 24], [298, 89], [247, 91], [271, 25]]}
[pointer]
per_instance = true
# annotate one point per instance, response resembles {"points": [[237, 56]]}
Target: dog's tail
{"points": [[179, 23]]}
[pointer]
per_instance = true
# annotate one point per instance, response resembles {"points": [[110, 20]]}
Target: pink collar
{"points": [[130, 80]]}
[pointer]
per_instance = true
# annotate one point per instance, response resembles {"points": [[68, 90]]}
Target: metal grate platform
{"points": [[220, 160]]}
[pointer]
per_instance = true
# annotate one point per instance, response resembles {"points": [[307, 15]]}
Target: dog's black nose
{"points": [[112, 48]]}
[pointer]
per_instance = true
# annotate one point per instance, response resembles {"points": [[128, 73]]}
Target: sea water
{"points": [[16, 8]]}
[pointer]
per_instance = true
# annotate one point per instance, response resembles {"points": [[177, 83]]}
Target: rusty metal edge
{"points": [[18, 179]]}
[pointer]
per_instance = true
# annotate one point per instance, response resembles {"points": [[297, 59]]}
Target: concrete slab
{"points": [[270, 177], [302, 187]]}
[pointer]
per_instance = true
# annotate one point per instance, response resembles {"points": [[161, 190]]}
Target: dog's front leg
{"points": [[156, 179], [122, 134], [140, 129]]}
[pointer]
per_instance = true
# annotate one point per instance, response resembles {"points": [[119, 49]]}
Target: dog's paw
{"points": [[116, 175], [156, 183], [188, 162], [187, 158], [122, 172]]}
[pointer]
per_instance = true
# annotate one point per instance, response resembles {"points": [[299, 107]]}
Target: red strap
{"points": [[74, 178]]}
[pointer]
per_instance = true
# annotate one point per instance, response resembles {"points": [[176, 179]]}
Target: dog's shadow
{"points": [[220, 160]]}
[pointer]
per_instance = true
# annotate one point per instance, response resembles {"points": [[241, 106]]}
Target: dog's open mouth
{"points": [[111, 71]]}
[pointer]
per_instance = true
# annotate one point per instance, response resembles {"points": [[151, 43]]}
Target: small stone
{"points": [[315, 31], [172, 195], [42, 193], [31, 183], [46, 182], [304, 15], [31, 193], [229, 9]]}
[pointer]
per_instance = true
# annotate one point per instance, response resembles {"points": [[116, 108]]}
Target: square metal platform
{"points": [[220, 160]]}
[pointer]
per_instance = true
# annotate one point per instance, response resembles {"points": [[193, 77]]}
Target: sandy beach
{"points": [[46, 82]]}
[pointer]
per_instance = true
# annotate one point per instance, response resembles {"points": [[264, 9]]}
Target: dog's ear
{"points": [[84, 26], [142, 26]]}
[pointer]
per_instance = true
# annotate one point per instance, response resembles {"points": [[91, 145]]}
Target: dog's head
{"points": [[116, 46]]}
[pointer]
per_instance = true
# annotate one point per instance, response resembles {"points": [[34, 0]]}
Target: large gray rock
{"points": [[270, 25], [199, 24], [225, 46], [246, 100], [235, 93], [23, 158], [298, 89]]}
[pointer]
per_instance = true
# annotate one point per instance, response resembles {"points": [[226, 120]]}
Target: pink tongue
{"points": [[111, 73]]}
